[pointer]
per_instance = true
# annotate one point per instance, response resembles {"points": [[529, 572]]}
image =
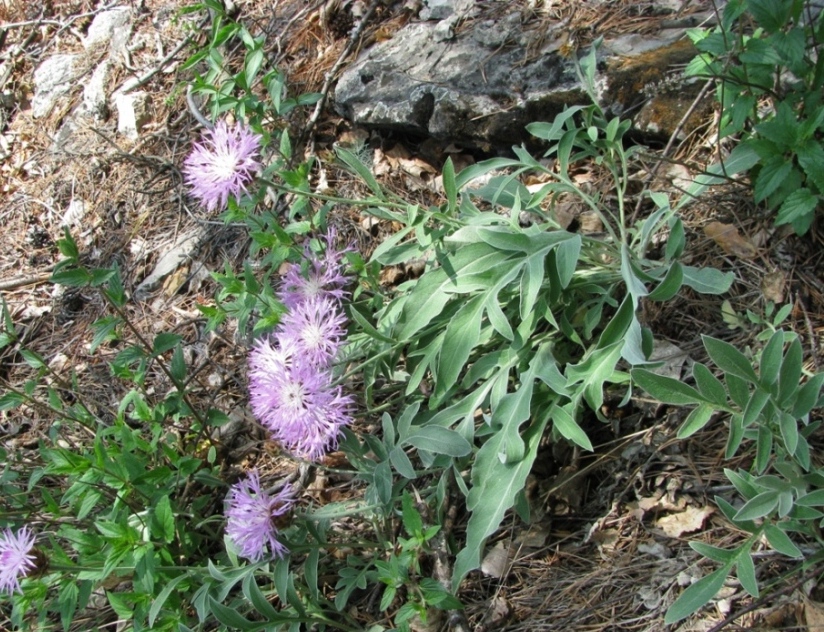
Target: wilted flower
{"points": [[16, 560], [252, 518], [222, 164]]}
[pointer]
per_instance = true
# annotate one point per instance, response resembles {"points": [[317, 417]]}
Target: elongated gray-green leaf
{"points": [[494, 487]]}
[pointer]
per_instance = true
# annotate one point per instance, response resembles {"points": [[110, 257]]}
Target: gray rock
{"points": [[460, 89], [483, 83], [75, 212], [633, 44], [443, 9], [174, 254], [107, 25], [52, 79], [66, 138], [94, 93]]}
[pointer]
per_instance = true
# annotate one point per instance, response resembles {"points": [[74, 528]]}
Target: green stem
{"points": [[358, 367], [67, 568], [333, 198], [387, 404], [178, 386], [62, 414]]}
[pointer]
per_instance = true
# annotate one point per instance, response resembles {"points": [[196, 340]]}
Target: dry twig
{"points": [[23, 281], [330, 76]]}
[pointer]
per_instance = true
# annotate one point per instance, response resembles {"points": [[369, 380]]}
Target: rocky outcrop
{"points": [[59, 75], [481, 81]]}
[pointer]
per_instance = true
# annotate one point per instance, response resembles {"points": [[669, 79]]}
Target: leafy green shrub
{"points": [[525, 325], [768, 409], [765, 55], [122, 491]]}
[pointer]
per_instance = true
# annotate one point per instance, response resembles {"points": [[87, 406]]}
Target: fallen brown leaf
{"points": [[606, 540], [680, 176], [814, 615], [772, 286], [499, 609], [590, 223], [687, 521], [496, 561], [175, 280], [730, 240]]}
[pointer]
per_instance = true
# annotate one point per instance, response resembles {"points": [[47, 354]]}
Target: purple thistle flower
{"points": [[272, 355], [298, 404], [252, 518], [16, 560], [322, 279], [310, 412], [291, 385], [268, 363], [222, 165], [314, 328]]}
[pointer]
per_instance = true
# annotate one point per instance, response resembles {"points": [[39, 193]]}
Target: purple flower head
{"points": [[269, 361], [323, 278], [292, 391], [222, 165], [252, 518], [314, 328], [271, 355], [299, 405], [315, 435], [16, 559], [310, 413]]}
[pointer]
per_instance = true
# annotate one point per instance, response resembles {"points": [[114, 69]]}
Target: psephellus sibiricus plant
{"points": [[512, 331], [222, 165], [292, 381], [292, 387]]}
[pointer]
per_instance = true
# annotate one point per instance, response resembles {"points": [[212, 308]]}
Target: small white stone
{"points": [[104, 26], [94, 94], [132, 113], [74, 213]]}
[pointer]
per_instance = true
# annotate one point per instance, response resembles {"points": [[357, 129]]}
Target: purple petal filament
{"points": [[16, 560], [291, 380], [222, 164], [252, 518]]}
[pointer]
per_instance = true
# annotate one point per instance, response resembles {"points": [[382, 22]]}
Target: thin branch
{"points": [[73, 18], [693, 106], [442, 568], [195, 111], [62, 25], [163, 62], [330, 76], [17, 25], [23, 281], [160, 363]]}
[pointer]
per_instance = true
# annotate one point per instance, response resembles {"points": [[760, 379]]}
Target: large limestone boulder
{"points": [[482, 83]]}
